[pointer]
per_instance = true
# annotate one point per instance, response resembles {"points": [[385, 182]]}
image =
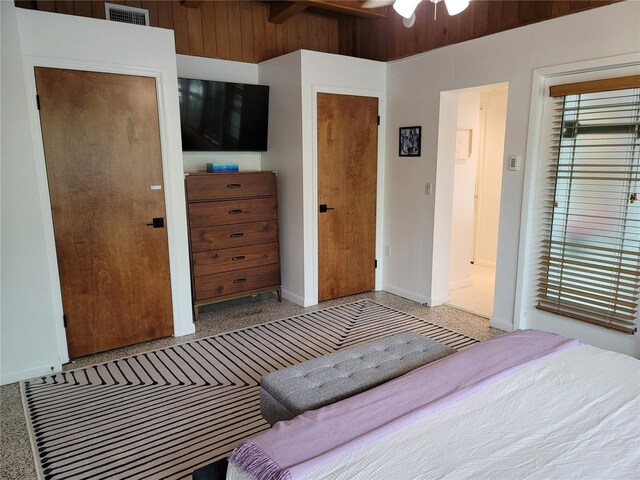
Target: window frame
{"points": [[525, 315], [564, 286]]}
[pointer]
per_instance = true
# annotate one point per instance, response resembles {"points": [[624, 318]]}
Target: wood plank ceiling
{"points": [[252, 31]]}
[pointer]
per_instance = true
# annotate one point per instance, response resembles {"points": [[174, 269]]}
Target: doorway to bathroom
{"points": [[479, 159]]}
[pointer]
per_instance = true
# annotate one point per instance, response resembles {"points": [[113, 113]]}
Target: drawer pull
{"points": [[238, 258], [234, 185], [234, 212], [236, 235], [240, 280]]}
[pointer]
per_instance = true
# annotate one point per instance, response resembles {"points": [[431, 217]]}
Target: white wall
{"points": [[27, 308], [464, 185], [322, 72], [414, 92], [436, 239], [494, 105], [223, 71], [284, 155], [294, 80], [66, 41]]}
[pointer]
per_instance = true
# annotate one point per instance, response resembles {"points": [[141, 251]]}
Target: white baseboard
{"points": [[292, 297], [401, 292], [501, 324], [32, 372], [460, 284], [184, 329], [437, 301], [485, 263]]}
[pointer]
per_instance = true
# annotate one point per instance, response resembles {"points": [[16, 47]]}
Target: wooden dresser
{"points": [[233, 235]]}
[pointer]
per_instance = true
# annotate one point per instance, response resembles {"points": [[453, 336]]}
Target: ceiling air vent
{"points": [[124, 14]]}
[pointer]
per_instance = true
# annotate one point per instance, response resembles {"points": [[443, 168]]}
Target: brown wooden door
{"points": [[347, 161], [102, 150]]}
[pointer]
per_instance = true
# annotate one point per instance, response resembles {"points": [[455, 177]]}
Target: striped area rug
{"points": [[163, 413]]}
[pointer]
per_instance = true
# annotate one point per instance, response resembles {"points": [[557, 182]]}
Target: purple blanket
{"points": [[296, 447]]}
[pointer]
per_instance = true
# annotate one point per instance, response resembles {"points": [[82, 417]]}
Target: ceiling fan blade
{"points": [[376, 3]]}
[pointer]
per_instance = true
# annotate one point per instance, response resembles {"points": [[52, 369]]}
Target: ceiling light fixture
{"points": [[406, 8], [408, 22], [454, 7]]}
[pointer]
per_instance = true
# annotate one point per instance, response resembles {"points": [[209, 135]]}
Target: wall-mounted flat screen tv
{"points": [[222, 116]]}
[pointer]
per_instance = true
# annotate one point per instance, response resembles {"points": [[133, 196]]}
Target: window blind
{"points": [[590, 259]]}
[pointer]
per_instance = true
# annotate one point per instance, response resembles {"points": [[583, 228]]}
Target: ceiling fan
{"points": [[407, 8]]}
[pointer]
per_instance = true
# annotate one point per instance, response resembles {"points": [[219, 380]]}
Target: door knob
{"points": [[157, 223], [324, 208]]}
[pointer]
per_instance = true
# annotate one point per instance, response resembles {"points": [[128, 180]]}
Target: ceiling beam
{"points": [[280, 12], [347, 7]]}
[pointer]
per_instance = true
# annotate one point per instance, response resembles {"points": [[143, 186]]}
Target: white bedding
{"points": [[573, 415]]}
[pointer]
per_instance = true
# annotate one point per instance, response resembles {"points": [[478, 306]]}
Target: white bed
{"points": [[575, 414]]}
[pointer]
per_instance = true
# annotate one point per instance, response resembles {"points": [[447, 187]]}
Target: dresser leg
{"points": [[195, 313], [279, 292]]}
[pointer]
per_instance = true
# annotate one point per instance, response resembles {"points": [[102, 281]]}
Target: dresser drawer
{"points": [[230, 283], [227, 212], [216, 186], [229, 236], [229, 259]]}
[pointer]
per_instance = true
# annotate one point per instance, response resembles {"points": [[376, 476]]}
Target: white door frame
{"points": [[477, 204], [312, 293], [181, 295], [445, 177]]}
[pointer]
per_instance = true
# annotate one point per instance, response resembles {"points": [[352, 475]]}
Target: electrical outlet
{"points": [[427, 189], [387, 250]]}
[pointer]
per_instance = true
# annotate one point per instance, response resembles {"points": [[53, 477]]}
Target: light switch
{"points": [[514, 162], [427, 189]]}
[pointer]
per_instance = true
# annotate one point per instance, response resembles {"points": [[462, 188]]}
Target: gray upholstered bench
{"points": [[338, 375]]}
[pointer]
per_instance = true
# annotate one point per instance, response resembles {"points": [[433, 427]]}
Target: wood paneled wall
{"points": [[482, 17], [240, 30], [237, 30]]}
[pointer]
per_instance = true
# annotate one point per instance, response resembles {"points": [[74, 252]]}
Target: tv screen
{"points": [[222, 116]]}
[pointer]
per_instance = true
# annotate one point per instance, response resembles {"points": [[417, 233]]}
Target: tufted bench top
{"points": [[338, 375]]}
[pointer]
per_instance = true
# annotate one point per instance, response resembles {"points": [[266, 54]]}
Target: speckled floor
{"points": [[17, 459]]}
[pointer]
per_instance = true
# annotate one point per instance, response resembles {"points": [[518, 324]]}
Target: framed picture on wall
{"points": [[410, 141]]}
